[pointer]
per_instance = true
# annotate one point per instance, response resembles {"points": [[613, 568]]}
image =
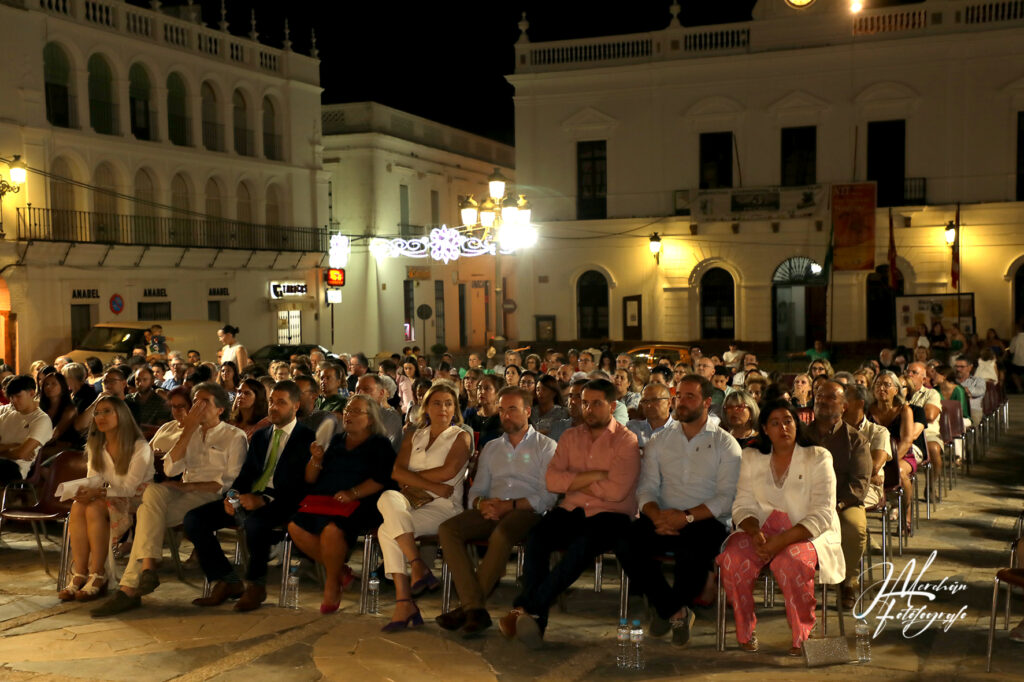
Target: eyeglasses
{"points": [[649, 401], [740, 406]]}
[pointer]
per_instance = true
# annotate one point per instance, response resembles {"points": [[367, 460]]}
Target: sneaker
{"points": [[528, 631], [681, 627], [148, 581], [507, 623], [1017, 634], [119, 603], [659, 626]]}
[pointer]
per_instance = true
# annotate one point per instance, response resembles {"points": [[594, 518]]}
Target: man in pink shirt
{"points": [[596, 465]]}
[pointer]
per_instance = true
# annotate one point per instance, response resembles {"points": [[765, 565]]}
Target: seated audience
{"points": [[250, 407], [483, 418], [373, 385], [55, 400], [626, 390], [150, 406], [656, 408], [228, 379], [547, 408], [786, 511], [891, 411], [741, 417], [323, 423], [24, 428], [121, 458]]}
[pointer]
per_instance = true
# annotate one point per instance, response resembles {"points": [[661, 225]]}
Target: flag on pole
{"points": [[892, 255], [954, 274]]}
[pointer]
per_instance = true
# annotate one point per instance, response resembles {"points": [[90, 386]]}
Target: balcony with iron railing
{"points": [[213, 136], [245, 142], [85, 227], [272, 147]]}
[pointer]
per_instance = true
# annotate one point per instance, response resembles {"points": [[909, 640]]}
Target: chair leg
{"points": [[839, 610], [520, 559], [824, 610], [598, 572], [992, 625], [446, 587], [623, 595], [172, 545], [39, 544], [364, 581], [65, 556], [1006, 618], [720, 612], [901, 522], [928, 491], [286, 568]]}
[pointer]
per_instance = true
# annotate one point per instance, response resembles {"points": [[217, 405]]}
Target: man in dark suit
{"points": [[270, 485]]}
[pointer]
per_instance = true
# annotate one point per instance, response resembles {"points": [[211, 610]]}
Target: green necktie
{"points": [[268, 470]]}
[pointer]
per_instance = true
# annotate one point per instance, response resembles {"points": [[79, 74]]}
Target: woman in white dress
{"points": [[232, 351], [430, 469], [120, 457]]}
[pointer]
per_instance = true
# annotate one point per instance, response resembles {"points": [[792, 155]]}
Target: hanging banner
{"points": [[853, 223], [758, 203]]}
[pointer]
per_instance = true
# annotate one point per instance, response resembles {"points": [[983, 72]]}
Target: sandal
{"points": [[95, 587], [429, 582], [69, 592]]}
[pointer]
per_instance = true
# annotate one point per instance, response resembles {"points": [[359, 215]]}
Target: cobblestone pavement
{"points": [[169, 639]]}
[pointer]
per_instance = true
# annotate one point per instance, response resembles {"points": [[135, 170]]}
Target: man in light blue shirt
{"points": [[685, 493], [974, 386], [656, 406], [508, 496]]}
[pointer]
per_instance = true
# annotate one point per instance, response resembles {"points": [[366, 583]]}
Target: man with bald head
{"points": [[656, 406], [371, 385], [930, 401], [851, 459]]}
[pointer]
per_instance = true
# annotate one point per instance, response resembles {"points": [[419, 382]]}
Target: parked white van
{"points": [[109, 339]]}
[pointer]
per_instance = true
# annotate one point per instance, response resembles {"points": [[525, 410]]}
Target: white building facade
{"points": [[727, 141], [395, 175], [174, 172]]}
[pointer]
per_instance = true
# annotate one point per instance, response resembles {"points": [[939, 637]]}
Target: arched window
{"points": [[102, 108], [182, 225], [144, 223], [62, 201], [243, 207], [273, 205], [882, 304], [798, 298], [271, 138], [592, 305], [57, 76], [105, 204], [138, 102], [178, 128], [717, 305], [213, 131], [240, 118], [214, 200]]}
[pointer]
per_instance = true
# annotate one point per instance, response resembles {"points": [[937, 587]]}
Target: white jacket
{"points": [[808, 497]]}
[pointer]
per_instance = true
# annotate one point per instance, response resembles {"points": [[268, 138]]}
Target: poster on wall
{"points": [[853, 224], [927, 309]]}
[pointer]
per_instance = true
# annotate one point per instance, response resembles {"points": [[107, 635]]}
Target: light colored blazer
{"points": [[808, 497]]}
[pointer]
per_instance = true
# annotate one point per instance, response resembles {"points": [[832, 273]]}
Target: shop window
{"points": [[213, 311], [154, 310], [289, 326]]}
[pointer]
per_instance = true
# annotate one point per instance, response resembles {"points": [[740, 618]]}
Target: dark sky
{"points": [[446, 60]]}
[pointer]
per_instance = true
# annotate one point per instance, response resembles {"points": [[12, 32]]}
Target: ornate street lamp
{"points": [[656, 247], [18, 172]]}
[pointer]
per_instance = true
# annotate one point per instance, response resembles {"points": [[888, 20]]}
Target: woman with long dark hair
{"points": [[55, 401], [547, 407], [117, 453], [227, 377], [249, 409]]}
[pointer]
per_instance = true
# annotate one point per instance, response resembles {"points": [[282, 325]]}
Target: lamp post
{"points": [[509, 218], [18, 169]]}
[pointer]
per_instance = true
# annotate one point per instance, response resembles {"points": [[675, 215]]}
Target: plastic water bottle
{"points": [[291, 593], [622, 660], [863, 641], [636, 638], [373, 595], [236, 504]]}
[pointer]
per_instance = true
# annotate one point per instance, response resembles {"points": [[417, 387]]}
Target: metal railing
{"points": [[84, 227], [903, 192]]}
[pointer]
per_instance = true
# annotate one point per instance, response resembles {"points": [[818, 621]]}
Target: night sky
{"points": [[446, 60]]}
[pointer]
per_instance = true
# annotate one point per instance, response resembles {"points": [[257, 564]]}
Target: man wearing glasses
{"points": [[656, 405], [685, 493]]}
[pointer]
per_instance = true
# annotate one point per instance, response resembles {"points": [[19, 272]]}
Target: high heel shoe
{"points": [[347, 577], [429, 582], [69, 592], [343, 581], [95, 587], [413, 621]]}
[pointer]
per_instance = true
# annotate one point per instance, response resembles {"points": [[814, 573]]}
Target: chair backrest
{"points": [[67, 466], [954, 411], [990, 401]]}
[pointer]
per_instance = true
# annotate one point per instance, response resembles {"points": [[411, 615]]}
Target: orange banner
{"points": [[853, 223]]}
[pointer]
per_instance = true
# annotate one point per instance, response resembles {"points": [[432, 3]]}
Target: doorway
{"points": [[717, 305], [592, 305], [881, 304], [799, 302]]}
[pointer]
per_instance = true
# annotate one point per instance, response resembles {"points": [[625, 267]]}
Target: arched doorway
{"points": [[1018, 296], [798, 299], [717, 305], [592, 305], [881, 301], [8, 327]]}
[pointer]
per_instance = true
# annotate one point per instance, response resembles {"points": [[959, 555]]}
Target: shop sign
{"points": [[85, 293], [287, 289]]}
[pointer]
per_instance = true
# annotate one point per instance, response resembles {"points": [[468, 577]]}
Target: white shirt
{"points": [[166, 436], [140, 470], [508, 472], [878, 439], [1017, 348], [928, 396], [229, 353], [216, 455], [16, 428]]}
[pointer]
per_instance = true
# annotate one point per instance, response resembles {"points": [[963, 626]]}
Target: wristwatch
{"points": [[689, 516]]}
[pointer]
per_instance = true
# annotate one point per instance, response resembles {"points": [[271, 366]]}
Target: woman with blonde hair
{"points": [[429, 470], [121, 459]]}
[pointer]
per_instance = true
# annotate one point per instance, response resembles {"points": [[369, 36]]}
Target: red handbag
{"points": [[327, 505]]}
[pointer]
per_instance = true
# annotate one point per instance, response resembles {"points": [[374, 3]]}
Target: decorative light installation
{"points": [[445, 244], [337, 251]]}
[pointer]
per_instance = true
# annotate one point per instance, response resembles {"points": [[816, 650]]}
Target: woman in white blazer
{"points": [[786, 511]]}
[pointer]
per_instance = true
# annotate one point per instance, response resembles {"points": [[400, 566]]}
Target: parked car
{"points": [[651, 354], [282, 351], [107, 340]]}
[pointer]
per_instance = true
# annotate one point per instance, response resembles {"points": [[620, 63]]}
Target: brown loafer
{"points": [[796, 651], [221, 592], [255, 594]]}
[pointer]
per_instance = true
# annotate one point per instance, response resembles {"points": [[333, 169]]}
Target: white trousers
{"points": [[400, 518]]}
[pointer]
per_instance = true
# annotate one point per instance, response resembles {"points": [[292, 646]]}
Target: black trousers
{"points": [[580, 538], [262, 530], [694, 549], [9, 471]]}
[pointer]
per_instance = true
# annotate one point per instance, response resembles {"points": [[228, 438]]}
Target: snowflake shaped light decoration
{"points": [[444, 244]]}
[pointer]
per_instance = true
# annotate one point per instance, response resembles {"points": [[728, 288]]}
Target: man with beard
{"points": [[507, 499], [686, 491], [851, 459], [151, 407], [596, 465], [572, 404]]}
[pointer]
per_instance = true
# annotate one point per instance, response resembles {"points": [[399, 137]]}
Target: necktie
{"points": [[268, 469]]}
